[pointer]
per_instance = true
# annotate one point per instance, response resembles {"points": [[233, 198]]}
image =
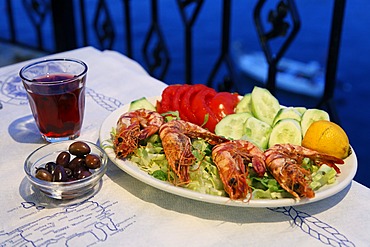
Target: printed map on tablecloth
{"points": [[98, 221]]}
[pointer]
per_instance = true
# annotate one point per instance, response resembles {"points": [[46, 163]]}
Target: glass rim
{"points": [[85, 68]]}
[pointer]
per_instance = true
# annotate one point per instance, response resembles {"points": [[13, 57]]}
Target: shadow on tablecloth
{"points": [[211, 211], [32, 195], [24, 130]]}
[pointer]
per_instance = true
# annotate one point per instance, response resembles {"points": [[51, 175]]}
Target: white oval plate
{"points": [[348, 171]]}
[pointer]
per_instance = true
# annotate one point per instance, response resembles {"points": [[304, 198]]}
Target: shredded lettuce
{"points": [[267, 188], [149, 156], [324, 175], [204, 176]]}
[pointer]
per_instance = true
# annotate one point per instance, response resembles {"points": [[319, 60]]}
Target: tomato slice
{"points": [[167, 98], [187, 98], [158, 106], [177, 101], [224, 103], [201, 109]]}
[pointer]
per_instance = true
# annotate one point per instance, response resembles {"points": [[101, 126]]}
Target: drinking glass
{"points": [[56, 94]]}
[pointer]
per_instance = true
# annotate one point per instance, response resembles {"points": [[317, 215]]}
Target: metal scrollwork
{"points": [[280, 27], [224, 56], [37, 10], [277, 24], [103, 25], [277, 19], [185, 7], [156, 55]]}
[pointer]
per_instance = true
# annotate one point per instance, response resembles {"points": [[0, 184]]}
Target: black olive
{"points": [[63, 159], [78, 170], [84, 174], [79, 148], [77, 161], [71, 179], [69, 172], [92, 161], [60, 174], [44, 174], [50, 166]]}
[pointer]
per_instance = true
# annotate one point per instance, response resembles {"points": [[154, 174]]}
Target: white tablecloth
{"points": [[128, 212]]}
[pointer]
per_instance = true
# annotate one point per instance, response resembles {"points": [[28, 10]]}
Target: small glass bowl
{"points": [[63, 190]]}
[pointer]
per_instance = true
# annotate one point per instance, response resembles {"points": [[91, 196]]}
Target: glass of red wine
{"points": [[56, 94]]}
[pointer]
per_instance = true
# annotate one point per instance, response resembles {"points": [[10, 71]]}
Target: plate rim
{"points": [[350, 169]]}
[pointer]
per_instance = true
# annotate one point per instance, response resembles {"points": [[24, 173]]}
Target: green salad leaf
{"points": [[204, 176], [324, 175], [149, 156]]}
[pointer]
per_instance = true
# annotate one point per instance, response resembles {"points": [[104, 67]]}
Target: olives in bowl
{"points": [[66, 170]]}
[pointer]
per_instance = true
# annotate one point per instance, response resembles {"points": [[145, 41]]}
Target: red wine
{"points": [[58, 108]]}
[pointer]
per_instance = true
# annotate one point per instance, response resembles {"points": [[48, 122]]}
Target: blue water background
{"points": [[352, 97]]}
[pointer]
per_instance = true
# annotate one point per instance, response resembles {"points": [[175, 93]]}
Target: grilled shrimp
{"points": [[176, 141], [231, 159], [284, 163], [132, 127]]}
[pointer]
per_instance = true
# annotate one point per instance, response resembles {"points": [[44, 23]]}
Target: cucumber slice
{"points": [[141, 103], [264, 105], [232, 126], [286, 131], [257, 131], [244, 104], [300, 109], [285, 113], [312, 115]]}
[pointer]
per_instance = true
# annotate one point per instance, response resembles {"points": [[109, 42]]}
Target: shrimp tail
{"points": [[231, 159], [259, 166], [284, 161], [132, 127], [176, 141]]}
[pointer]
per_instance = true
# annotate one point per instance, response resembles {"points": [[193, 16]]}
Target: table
{"points": [[127, 212]]}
